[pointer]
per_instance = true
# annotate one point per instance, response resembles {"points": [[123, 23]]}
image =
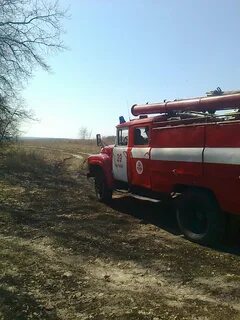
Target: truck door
{"points": [[140, 158], [120, 155]]}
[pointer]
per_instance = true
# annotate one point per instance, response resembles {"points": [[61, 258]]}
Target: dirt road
{"points": [[65, 256]]}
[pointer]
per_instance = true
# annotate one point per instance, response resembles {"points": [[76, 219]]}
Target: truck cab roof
{"points": [[142, 121]]}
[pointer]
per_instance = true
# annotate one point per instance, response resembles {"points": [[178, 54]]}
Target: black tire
{"points": [[103, 193], [200, 218]]}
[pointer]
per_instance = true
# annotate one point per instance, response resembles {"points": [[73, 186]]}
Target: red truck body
{"points": [[187, 147]]}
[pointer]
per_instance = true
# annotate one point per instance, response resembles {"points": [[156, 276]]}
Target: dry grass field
{"points": [[65, 256]]}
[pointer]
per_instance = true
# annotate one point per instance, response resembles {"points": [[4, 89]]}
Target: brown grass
{"points": [[63, 255], [68, 145]]}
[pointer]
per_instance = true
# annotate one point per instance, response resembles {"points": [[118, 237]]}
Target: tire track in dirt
{"points": [[95, 274], [120, 280], [78, 155]]}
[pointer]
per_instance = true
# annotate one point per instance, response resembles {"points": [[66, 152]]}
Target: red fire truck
{"points": [[188, 149]]}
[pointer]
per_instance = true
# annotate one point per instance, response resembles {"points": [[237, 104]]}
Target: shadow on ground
{"points": [[163, 216], [20, 305], [160, 214], [59, 244]]}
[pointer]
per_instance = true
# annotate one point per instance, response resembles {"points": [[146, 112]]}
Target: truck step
{"points": [[122, 191], [137, 196]]}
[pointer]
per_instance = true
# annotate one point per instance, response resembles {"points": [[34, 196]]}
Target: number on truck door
{"points": [[120, 155]]}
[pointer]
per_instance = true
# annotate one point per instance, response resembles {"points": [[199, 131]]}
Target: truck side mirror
{"points": [[99, 140]]}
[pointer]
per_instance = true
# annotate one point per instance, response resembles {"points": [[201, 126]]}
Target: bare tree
{"points": [[12, 113], [29, 31], [84, 133]]}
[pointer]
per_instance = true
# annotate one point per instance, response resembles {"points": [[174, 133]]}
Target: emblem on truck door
{"points": [[139, 167]]}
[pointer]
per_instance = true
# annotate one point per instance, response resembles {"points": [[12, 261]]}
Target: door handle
{"points": [[147, 154], [125, 153], [177, 172]]}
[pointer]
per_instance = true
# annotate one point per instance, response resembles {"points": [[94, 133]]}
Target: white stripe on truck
{"points": [[177, 154], [222, 155], [140, 153], [210, 155]]}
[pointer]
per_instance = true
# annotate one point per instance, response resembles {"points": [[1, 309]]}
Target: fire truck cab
{"points": [[187, 150]]}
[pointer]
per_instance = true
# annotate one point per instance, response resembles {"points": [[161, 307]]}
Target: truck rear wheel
{"points": [[103, 193], [199, 218]]}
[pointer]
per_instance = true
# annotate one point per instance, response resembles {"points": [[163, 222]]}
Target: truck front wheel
{"points": [[102, 191], [199, 218]]}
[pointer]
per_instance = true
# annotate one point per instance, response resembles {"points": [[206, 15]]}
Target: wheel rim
{"points": [[199, 222], [194, 220], [99, 188]]}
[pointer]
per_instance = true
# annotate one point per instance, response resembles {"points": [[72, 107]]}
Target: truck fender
{"points": [[105, 166]]}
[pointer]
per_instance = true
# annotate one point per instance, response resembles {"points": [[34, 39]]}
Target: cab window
{"points": [[141, 136], [122, 137]]}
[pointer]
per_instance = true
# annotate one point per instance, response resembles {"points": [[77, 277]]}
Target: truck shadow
{"points": [[159, 214], [163, 216]]}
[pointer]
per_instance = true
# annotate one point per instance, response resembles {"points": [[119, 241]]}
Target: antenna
{"points": [[128, 109]]}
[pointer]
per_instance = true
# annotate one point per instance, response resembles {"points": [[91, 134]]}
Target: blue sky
{"points": [[124, 52]]}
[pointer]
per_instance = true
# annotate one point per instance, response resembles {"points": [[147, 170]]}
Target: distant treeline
{"points": [[107, 139]]}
